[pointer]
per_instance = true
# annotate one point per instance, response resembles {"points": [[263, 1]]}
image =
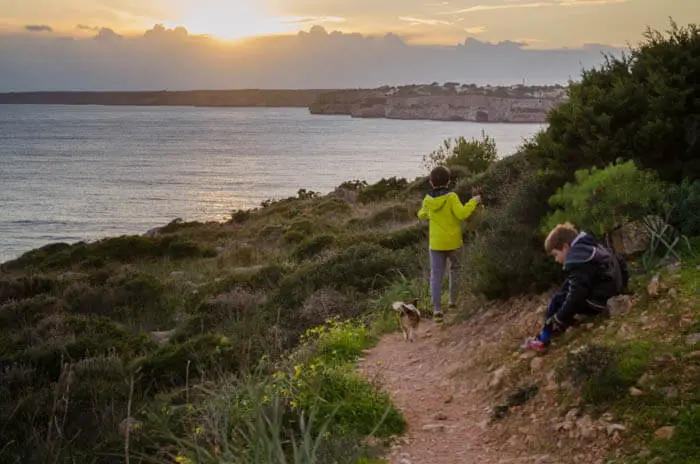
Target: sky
{"points": [[115, 44]]}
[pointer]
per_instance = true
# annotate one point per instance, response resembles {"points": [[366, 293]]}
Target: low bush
{"points": [[382, 190], [684, 204], [313, 246], [405, 237], [123, 249], [602, 200], [472, 156]]}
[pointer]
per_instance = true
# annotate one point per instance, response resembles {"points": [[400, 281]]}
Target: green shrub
{"points": [[123, 249], [605, 374], [177, 225], [294, 236], [382, 190], [602, 200], [504, 253], [394, 213], [19, 314], [405, 237], [363, 268], [18, 288], [474, 156], [642, 106], [303, 226], [684, 203], [333, 205], [176, 365], [683, 447], [313, 246], [271, 231], [241, 216]]}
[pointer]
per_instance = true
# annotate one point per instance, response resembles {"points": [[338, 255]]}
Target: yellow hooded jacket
{"points": [[445, 212]]}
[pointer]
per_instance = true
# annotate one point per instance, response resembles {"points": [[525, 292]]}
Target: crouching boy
{"points": [[594, 274]]}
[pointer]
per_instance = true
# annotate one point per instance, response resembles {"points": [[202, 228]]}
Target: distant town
{"points": [[450, 101]]}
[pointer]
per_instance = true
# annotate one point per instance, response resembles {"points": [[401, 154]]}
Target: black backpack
{"points": [[618, 269]]}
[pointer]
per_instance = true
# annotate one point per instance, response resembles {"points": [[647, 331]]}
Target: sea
{"points": [[81, 173]]}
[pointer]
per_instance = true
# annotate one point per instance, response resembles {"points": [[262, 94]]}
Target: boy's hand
{"points": [[477, 198]]}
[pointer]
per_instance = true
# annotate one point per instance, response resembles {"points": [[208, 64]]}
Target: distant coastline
{"points": [[448, 102], [204, 98]]}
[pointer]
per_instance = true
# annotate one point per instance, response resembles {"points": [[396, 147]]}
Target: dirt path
{"points": [[443, 395]]}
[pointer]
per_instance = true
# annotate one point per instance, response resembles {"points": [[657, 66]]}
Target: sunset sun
{"points": [[230, 20]]}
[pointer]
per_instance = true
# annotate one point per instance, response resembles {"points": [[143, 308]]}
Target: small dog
{"points": [[409, 317]]}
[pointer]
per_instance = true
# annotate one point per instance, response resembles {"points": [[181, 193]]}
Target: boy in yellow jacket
{"points": [[445, 212]]}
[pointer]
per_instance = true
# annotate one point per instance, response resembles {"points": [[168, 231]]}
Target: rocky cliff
{"points": [[479, 105]]}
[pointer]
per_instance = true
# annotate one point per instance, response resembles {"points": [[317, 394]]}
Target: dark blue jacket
{"points": [[593, 275]]}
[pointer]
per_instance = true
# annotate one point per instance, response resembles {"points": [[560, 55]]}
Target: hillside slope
{"points": [[623, 389]]}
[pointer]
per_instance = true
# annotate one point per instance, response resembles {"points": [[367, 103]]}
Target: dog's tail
{"points": [[405, 308]]}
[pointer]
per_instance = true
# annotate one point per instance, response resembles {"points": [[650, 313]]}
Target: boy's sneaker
{"points": [[437, 317], [452, 306], [534, 344]]}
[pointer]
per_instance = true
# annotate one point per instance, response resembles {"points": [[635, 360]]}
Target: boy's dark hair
{"points": [[440, 176], [562, 234]]}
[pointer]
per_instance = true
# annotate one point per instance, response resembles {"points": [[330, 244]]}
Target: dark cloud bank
{"points": [[174, 60]]}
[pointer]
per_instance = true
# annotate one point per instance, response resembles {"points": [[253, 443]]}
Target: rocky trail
{"points": [[448, 381]]}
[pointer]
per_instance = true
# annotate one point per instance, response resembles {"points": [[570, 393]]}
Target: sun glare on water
{"points": [[231, 19]]}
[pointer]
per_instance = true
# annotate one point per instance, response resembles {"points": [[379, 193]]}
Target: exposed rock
{"points": [[673, 293], [129, 424], [670, 392], [619, 304], [654, 287], [440, 416], [674, 266], [692, 339], [434, 427], [162, 336], [497, 377], [536, 364], [611, 429], [176, 274], [636, 391], [631, 239], [644, 380], [528, 355], [693, 355], [664, 433], [586, 427]]}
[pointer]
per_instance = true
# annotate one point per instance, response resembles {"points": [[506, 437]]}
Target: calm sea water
{"points": [[71, 173]]}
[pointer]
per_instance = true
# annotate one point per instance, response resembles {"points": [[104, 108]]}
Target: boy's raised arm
{"points": [[423, 213], [463, 211]]}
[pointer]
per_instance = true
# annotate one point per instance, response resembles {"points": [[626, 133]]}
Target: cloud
{"points": [[83, 27], [166, 58], [313, 19], [38, 28], [512, 5], [419, 21], [475, 30]]}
